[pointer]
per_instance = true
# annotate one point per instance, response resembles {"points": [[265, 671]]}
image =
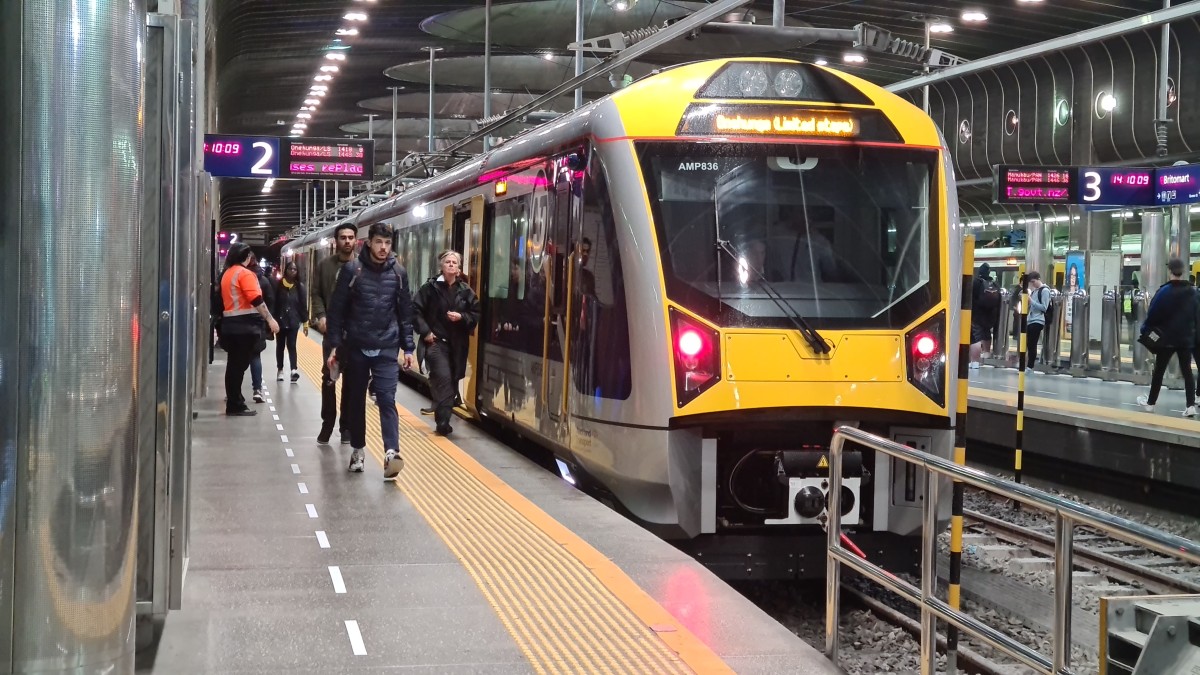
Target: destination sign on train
{"points": [[1097, 185], [769, 121], [287, 157]]}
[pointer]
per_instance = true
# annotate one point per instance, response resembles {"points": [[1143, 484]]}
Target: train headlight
{"points": [[697, 359], [927, 358]]}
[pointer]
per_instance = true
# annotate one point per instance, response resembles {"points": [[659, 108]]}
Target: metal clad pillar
{"points": [[487, 68], [579, 52], [68, 492], [1154, 249], [1039, 239]]}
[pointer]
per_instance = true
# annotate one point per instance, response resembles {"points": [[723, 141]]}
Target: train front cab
{"points": [[838, 235]]}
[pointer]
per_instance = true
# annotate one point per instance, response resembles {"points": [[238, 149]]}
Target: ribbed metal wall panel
{"points": [[70, 260]]}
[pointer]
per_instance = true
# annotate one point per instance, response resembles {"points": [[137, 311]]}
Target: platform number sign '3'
{"points": [[1091, 187]]}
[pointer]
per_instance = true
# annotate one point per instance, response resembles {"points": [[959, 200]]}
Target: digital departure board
{"points": [[328, 158], [1035, 185], [1177, 185], [299, 158], [1097, 185]]}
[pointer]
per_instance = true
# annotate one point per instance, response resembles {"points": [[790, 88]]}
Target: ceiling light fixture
{"points": [[973, 16], [335, 56], [821, 62], [330, 68], [851, 57], [312, 101], [548, 56], [620, 5], [316, 92], [347, 31], [304, 116], [941, 27], [355, 16], [299, 125], [1029, 2], [319, 87]]}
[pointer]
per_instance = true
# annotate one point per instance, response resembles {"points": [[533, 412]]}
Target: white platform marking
{"points": [[303, 488], [272, 409], [283, 438], [356, 641], [279, 427], [296, 469], [275, 417], [312, 510], [322, 539], [339, 586], [289, 452]]}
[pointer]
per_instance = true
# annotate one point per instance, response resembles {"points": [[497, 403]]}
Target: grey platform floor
{"points": [[273, 583], [1113, 396]]}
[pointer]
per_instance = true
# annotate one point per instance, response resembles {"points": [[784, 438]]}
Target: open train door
{"points": [[463, 224]]}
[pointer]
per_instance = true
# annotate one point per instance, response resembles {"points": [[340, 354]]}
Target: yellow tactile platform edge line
{"points": [[568, 608]]}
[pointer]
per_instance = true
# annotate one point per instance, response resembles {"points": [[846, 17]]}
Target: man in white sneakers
{"points": [[369, 318]]}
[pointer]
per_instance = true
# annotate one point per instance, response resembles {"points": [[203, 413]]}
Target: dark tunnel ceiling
{"points": [[267, 53]]}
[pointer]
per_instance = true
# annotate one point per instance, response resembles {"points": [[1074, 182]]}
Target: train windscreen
{"points": [[754, 235]]}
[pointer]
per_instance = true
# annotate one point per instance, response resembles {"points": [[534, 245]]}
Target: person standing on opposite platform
{"points": [[243, 313], [370, 318], [291, 306], [1039, 302], [985, 313], [322, 294], [447, 312], [1172, 315]]}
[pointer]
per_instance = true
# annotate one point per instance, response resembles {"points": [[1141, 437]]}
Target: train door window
{"points": [[600, 358]]}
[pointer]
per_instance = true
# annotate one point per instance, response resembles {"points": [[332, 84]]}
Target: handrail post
{"points": [[929, 575], [1064, 535], [833, 532]]}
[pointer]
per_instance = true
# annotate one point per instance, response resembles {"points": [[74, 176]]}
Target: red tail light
{"points": [[925, 345], [690, 343], [696, 357]]}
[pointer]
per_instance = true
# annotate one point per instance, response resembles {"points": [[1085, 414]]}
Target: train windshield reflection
{"points": [[839, 235]]}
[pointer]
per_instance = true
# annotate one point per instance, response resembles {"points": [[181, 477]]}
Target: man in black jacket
{"points": [[345, 236], [447, 312], [1172, 317], [369, 319]]}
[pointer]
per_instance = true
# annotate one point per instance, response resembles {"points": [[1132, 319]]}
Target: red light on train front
{"points": [[927, 359], [697, 362]]}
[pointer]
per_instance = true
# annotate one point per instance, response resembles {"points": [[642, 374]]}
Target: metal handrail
{"points": [[1067, 515]]}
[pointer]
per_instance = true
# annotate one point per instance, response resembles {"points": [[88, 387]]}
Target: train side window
{"points": [[600, 354]]}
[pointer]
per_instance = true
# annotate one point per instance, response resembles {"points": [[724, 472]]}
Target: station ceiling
{"points": [[267, 54]]}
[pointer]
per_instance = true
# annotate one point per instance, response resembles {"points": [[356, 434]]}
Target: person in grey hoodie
{"points": [[1039, 300]]}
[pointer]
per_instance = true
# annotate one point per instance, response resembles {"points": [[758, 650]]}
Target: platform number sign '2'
{"points": [[241, 156]]}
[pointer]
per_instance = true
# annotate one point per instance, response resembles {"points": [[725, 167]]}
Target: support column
{"points": [[578, 52], [1154, 249], [487, 68], [67, 348], [1039, 253]]}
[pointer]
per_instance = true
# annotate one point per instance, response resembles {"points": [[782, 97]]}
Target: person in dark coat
{"points": [[291, 306], [1172, 315], [369, 322], [268, 292], [447, 312]]}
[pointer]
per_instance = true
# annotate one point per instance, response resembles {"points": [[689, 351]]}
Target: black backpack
{"points": [[989, 299], [1049, 313]]}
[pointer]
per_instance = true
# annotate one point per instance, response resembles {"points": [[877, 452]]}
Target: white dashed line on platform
{"points": [[296, 469], [303, 488], [289, 452], [279, 427], [322, 540], [339, 585], [356, 640], [282, 437], [312, 510]]}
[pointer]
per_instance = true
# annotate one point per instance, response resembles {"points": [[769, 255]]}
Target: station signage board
{"points": [[1097, 186], [288, 158]]}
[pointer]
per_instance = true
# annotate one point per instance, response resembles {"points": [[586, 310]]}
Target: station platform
{"points": [[1089, 423], [474, 560]]}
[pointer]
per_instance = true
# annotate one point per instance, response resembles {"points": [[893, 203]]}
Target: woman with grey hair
{"points": [[447, 312]]}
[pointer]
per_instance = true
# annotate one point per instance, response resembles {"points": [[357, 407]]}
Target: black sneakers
{"points": [[345, 437], [323, 437], [244, 412], [427, 411]]}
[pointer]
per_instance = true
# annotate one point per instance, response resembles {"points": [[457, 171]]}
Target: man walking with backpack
{"points": [[1170, 331], [369, 319], [985, 313]]}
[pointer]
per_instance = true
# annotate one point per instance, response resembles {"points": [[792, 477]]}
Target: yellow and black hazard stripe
{"points": [[960, 434], [1022, 364]]}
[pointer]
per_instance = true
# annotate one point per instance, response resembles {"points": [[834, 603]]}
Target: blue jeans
{"points": [[256, 371], [383, 372]]}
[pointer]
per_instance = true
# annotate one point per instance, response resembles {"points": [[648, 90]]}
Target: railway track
{"points": [[1114, 560]]}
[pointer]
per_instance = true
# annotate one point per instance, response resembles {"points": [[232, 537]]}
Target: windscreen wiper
{"points": [[810, 334]]}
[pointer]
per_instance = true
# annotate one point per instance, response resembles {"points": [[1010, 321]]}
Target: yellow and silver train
{"points": [[688, 283]]}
